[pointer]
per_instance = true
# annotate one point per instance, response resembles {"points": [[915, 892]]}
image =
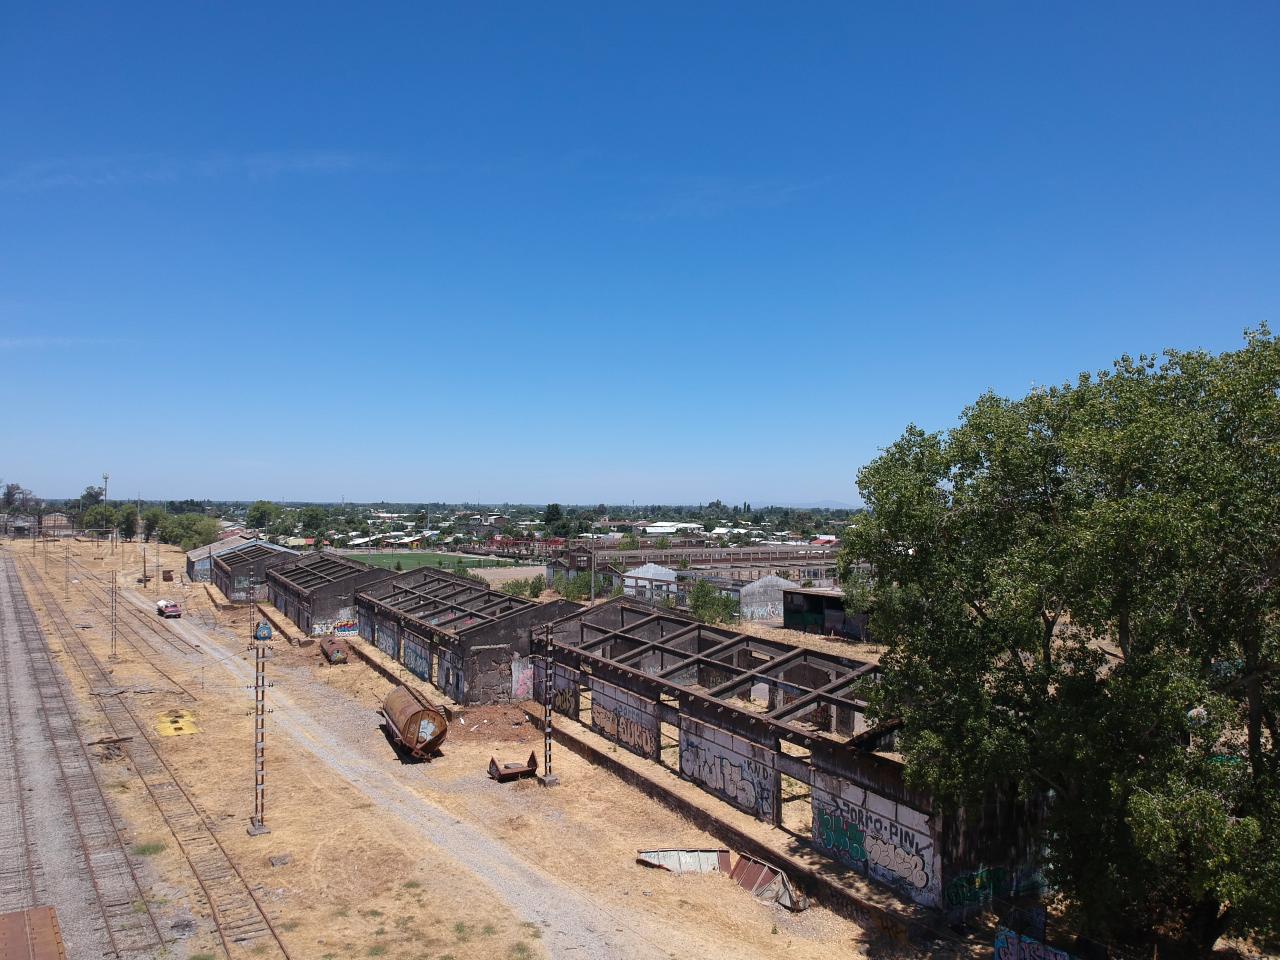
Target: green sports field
{"points": [[411, 561]]}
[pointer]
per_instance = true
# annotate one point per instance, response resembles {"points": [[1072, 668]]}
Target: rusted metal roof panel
{"points": [[767, 882]]}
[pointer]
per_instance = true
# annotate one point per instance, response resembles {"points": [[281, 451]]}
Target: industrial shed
{"points": [[821, 611], [765, 726], [241, 572], [200, 560], [317, 591], [455, 632]]}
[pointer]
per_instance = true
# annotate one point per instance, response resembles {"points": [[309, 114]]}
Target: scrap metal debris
{"points": [[767, 882], [513, 771], [686, 861], [762, 880]]}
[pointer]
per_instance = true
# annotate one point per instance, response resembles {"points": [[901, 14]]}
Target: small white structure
{"points": [[650, 582]]}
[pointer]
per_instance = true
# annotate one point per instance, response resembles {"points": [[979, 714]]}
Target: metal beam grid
{"points": [[444, 602], [717, 666], [319, 570], [249, 553]]}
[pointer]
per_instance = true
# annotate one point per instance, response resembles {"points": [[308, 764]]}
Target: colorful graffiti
{"points": [[521, 677], [842, 836], [880, 846], [1015, 946], [344, 628], [837, 834], [742, 781], [984, 885]]}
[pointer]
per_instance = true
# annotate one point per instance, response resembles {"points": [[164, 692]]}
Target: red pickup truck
{"points": [[167, 608]]}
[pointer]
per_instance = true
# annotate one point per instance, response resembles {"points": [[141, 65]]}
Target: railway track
{"points": [[101, 588], [234, 906], [127, 919], [127, 618], [17, 871]]}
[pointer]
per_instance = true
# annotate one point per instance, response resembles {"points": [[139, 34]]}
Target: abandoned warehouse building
{"points": [[317, 591], [766, 726], [455, 632], [200, 560], [241, 572]]}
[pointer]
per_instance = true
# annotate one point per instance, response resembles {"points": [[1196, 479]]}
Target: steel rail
{"points": [[118, 919], [237, 913]]}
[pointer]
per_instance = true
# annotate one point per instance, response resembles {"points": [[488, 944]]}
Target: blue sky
{"points": [[520, 252]]}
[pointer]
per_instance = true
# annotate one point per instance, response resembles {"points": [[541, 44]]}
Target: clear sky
{"points": [[529, 252]]}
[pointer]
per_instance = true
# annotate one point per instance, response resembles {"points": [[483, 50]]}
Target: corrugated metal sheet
{"points": [[686, 861], [767, 882]]}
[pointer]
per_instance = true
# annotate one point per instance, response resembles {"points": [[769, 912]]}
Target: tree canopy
{"points": [[188, 530], [127, 521], [262, 513], [1078, 592]]}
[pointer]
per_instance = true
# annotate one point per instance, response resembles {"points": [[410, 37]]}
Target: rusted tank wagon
{"points": [[416, 725], [335, 651]]}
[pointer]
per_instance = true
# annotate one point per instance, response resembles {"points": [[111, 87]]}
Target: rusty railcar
{"points": [[415, 724], [335, 651]]}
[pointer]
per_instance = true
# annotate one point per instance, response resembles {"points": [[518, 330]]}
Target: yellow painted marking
{"points": [[176, 723]]}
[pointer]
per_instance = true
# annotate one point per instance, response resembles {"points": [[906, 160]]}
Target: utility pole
{"points": [[258, 822], [548, 691], [66, 578]]}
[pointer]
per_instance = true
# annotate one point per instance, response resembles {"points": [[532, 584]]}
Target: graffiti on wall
{"points": [[521, 677], [744, 782], [344, 628], [1016, 946], [882, 847], [417, 657], [629, 724], [986, 884], [564, 694]]}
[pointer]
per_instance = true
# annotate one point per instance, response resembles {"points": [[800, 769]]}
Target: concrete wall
{"points": [[885, 839], [731, 767], [565, 689], [628, 720]]}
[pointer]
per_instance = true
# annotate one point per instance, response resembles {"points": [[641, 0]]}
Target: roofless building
{"points": [[317, 591], [455, 632]]}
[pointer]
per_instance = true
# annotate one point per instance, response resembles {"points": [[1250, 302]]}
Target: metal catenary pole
{"points": [[549, 779], [258, 823]]}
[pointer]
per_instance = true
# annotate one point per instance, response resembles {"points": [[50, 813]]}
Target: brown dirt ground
{"points": [[357, 885]]}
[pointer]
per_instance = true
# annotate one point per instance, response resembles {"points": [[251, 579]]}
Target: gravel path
{"points": [[340, 734]]}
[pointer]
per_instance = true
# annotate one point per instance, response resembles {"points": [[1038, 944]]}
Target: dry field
{"points": [[374, 857]]}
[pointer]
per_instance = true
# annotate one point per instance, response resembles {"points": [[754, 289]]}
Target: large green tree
{"points": [[151, 520], [188, 530], [98, 517], [262, 513], [127, 521], [1079, 594]]}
